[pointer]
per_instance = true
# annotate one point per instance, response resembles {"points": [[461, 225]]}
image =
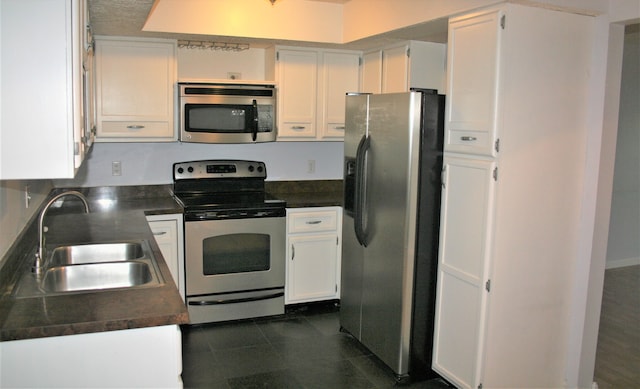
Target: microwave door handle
{"points": [[254, 131]]}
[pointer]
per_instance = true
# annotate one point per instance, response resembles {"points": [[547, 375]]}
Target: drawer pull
{"points": [[298, 127], [314, 222], [135, 127], [158, 233], [468, 138], [339, 128]]}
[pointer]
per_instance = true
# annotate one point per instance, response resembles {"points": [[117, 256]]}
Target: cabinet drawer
{"points": [[470, 142], [313, 221], [135, 129], [297, 130], [335, 130], [164, 231]]}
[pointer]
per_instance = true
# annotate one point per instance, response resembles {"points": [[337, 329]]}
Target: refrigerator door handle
{"points": [[360, 196]]}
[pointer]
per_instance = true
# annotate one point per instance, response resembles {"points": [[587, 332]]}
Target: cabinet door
{"points": [[341, 72], [168, 235], [472, 96], [135, 83], [41, 100], [395, 65], [463, 263], [313, 260], [372, 72], [297, 80]]}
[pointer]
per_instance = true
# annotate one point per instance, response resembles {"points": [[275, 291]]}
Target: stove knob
{"points": [[190, 169], [251, 168], [260, 169], [180, 170]]}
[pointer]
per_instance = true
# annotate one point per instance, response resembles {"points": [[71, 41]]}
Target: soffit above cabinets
{"points": [[128, 18]]}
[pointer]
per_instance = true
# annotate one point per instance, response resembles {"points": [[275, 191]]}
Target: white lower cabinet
{"points": [[168, 233], [313, 254], [135, 358], [467, 201]]}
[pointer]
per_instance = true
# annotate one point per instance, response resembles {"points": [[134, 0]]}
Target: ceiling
{"points": [[127, 17]]}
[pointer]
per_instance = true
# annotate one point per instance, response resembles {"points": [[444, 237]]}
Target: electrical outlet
{"points": [[116, 168], [311, 166]]}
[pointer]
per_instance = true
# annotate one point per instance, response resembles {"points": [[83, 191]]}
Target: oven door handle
{"points": [[236, 301], [254, 131]]}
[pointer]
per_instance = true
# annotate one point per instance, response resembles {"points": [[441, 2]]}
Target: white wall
{"points": [[151, 163], [14, 215], [624, 228], [211, 64]]}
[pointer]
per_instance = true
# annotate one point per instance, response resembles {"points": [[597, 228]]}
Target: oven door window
{"points": [[236, 253], [219, 118]]}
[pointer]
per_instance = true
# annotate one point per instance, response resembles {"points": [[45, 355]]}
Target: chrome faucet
{"points": [[40, 254]]}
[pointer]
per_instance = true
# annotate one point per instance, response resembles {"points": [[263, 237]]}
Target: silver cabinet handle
{"points": [[314, 222], [468, 138], [298, 127], [158, 233], [293, 251], [339, 127], [135, 127]]}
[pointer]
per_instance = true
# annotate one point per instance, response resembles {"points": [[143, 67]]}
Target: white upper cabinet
{"points": [[340, 75], [312, 85], [474, 57], [400, 67], [297, 93], [42, 130], [135, 82]]}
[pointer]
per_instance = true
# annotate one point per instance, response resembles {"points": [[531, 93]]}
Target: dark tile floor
{"points": [[301, 349]]}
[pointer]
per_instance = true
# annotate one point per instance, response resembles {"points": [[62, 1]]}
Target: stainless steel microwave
{"points": [[227, 113]]}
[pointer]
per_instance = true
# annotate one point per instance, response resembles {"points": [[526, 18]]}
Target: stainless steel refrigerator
{"points": [[392, 178]]}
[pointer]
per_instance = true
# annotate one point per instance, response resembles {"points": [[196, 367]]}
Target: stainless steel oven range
{"points": [[234, 240]]}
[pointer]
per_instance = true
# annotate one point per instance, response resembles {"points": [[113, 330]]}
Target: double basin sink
{"points": [[93, 267]]}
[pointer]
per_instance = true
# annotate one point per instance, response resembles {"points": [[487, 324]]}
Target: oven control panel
{"points": [[218, 169]]}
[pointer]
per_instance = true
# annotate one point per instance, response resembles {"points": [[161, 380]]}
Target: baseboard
{"points": [[612, 264]]}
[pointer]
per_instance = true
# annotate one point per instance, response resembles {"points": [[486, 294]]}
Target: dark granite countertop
{"points": [[114, 216], [117, 213]]}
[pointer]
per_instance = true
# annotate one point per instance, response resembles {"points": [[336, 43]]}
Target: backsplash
{"points": [[152, 163], [14, 215]]}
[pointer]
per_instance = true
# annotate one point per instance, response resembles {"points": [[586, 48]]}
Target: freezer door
{"points": [[352, 251], [391, 193]]}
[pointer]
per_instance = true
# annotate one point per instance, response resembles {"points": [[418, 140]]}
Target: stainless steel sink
{"points": [[96, 276], [93, 268], [93, 253]]}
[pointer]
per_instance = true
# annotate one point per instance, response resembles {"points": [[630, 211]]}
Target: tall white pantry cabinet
{"points": [[513, 173]]}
